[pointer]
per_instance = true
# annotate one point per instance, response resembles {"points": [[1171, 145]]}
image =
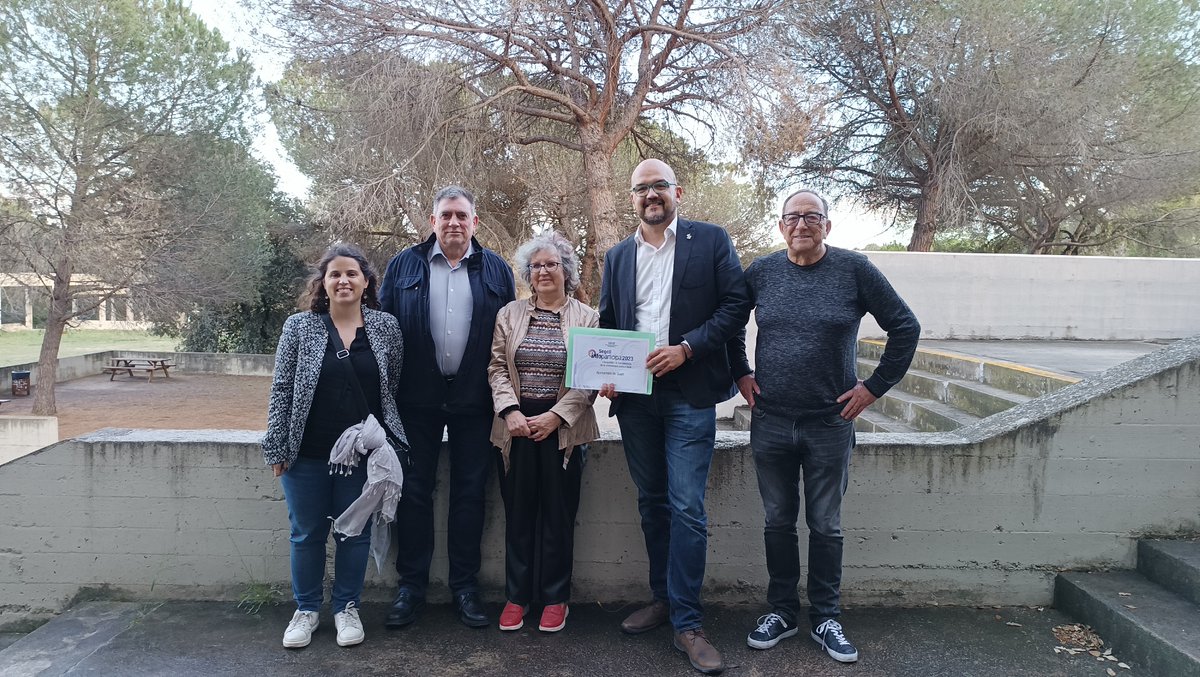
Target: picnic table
{"points": [[144, 365]]}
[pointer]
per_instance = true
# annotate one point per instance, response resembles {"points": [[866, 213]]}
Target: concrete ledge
{"points": [[234, 364], [20, 435], [984, 515]]}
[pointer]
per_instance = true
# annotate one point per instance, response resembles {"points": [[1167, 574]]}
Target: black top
{"points": [[334, 405]]}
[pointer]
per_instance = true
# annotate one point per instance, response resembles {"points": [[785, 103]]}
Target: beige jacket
{"points": [[573, 406]]}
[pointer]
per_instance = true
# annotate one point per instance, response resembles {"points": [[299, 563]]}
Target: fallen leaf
{"points": [[1111, 658], [1111, 672], [1107, 651], [1015, 625], [1125, 594], [1095, 653], [1058, 649], [1129, 606], [1076, 635], [1123, 665]]}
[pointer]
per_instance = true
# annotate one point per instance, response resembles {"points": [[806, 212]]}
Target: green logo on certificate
{"points": [[599, 356]]}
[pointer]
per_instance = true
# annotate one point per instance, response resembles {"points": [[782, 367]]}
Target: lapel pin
{"points": [[689, 236]]}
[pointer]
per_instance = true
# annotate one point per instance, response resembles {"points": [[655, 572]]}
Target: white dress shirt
{"points": [[655, 272]]}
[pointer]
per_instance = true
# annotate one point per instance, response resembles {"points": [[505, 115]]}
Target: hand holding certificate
{"points": [[599, 356]]}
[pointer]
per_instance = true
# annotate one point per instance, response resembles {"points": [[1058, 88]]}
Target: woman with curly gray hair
{"points": [[540, 426]]}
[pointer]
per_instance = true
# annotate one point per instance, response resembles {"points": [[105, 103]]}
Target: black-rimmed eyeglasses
{"points": [[659, 187], [792, 219]]}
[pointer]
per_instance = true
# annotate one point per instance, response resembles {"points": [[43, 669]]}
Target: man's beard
{"points": [[665, 217]]}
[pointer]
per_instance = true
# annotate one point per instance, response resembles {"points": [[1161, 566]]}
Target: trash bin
{"points": [[20, 384]]}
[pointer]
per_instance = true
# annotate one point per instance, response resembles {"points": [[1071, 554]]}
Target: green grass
{"points": [[21, 347]]}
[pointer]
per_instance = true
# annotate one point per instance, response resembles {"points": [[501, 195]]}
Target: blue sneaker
{"points": [[829, 635], [771, 629]]}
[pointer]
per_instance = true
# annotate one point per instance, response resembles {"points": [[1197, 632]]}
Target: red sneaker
{"points": [[554, 617], [513, 616]]}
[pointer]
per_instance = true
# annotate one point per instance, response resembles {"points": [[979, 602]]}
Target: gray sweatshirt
{"points": [[808, 319]]}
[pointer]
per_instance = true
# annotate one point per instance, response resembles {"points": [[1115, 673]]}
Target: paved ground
{"points": [[181, 402], [214, 638]]}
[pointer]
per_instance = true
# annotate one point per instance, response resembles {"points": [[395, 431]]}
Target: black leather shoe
{"points": [[471, 611], [404, 609]]}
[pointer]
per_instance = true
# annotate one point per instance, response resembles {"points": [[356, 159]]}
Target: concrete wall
{"points": [[20, 435], [985, 515], [233, 364], [1008, 296], [70, 368]]}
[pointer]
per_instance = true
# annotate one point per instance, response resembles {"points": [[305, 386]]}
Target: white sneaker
{"points": [[349, 627], [299, 631]]}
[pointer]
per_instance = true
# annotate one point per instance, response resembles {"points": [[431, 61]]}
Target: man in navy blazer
{"points": [[680, 280], [445, 292]]}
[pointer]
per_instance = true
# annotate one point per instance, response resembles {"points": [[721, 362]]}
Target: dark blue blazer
{"points": [[404, 292], [710, 305]]}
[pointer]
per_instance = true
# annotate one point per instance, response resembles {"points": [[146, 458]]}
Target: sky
{"points": [[852, 227]]}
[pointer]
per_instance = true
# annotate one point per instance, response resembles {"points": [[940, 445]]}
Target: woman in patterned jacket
{"points": [[313, 400], [539, 428]]}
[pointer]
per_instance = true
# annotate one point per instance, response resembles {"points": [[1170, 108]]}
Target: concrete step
{"points": [[1175, 565], [1008, 376], [1139, 619], [977, 399], [921, 414], [58, 646], [871, 421]]}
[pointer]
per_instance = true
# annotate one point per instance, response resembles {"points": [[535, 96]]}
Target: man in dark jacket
{"points": [[445, 292], [681, 281]]}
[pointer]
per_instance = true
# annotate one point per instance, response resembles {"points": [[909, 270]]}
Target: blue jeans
{"points": [[669, 447], [472, 464], [820, 447], [314, 499]]}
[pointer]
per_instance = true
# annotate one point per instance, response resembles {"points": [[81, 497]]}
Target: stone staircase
{"points": [[1151, 615], [942, 391]]}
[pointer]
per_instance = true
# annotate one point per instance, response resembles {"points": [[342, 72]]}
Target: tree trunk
{"points": [[603, 224], [926, 225], [56, 322], [588, 271]]}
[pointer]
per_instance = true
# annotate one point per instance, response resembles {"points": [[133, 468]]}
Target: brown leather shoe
{"points": [[647, 618], [703, 655]]}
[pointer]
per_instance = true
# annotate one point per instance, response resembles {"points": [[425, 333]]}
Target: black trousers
{"points": [[541, 500]]}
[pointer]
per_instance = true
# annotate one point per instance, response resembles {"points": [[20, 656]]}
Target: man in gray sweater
{"points": [[805, 396]]}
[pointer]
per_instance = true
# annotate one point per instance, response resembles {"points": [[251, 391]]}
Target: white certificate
{"points": [[599, 356]]}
